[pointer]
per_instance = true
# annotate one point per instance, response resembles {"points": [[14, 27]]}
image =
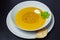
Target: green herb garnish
{"points": [[45, 14]]}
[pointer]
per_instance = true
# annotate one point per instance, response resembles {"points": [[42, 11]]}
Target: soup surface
{"points": [[29, 18]]}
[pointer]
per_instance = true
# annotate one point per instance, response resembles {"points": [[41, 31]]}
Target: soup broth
{"points": [[29, 18]]}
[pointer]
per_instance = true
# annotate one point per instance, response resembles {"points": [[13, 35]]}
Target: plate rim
{"points": [[17, 35]]}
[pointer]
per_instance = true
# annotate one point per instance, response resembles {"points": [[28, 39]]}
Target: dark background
{"points": [[7, 5]]}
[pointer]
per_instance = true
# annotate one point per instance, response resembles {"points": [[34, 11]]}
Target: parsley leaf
{"points": [[45, 14]]}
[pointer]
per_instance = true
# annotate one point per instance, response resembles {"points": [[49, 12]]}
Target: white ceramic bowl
{"points": [[28, 4]]}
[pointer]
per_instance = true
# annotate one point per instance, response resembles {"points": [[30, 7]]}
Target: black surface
{"points": [[7, 5]]}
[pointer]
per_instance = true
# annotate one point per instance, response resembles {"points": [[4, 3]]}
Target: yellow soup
{"points": [[29, 18]]}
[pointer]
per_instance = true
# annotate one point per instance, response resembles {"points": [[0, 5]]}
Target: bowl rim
{"points": [[36, 2]]}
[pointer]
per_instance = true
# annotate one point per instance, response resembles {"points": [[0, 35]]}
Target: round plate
{"points": [[25, 34]]}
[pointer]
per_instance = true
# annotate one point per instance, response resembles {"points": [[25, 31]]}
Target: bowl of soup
{"points": [[30, 16]]}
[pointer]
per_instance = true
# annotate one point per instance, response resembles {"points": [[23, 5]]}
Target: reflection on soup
{"points": [[29, 18]]}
